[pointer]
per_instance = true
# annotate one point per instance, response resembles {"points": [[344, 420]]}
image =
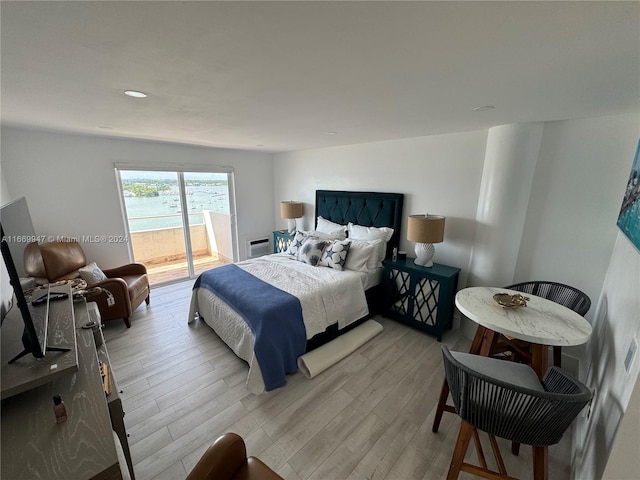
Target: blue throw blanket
{"points": [[274, 317]]}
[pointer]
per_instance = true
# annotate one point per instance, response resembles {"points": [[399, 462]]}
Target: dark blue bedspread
{"points": [[274, 316]]}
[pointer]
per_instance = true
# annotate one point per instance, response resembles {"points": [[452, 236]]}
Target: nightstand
{"points": [[419, 296], [281, 240]]}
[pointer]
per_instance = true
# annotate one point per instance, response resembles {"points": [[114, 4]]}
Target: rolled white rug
{"points": [[317, 361]]}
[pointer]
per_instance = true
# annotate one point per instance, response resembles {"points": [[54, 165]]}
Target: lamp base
{"points": [[291, 225], [424, 254]]}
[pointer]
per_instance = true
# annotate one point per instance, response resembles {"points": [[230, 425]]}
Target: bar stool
{"points": [[507, 400]]}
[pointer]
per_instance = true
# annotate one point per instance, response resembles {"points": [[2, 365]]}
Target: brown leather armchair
{"points": [[122, 292], [227, 459]]}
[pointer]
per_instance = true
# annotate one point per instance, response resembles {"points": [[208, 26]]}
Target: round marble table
{"points": [[542, 321]]}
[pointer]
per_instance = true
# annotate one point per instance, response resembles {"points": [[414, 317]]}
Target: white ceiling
{"points": [[280, 76]]}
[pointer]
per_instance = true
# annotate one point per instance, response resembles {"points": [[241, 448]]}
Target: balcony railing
{"points": [[163, 250]]}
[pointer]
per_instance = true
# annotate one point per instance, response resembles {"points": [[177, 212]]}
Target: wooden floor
{"points": [[367, 417]]}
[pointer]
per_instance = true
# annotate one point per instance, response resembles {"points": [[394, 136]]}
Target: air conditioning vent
{"points": [[258, 247]]}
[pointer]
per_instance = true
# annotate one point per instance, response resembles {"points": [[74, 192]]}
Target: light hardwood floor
{"points": [[367, 417]]}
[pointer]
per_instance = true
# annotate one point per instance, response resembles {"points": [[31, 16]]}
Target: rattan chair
{"points": [[565, 295], [506, 400]]}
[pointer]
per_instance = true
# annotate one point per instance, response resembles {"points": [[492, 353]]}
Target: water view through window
{"points": [[179, 222]]}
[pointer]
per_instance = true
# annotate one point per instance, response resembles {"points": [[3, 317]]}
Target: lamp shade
{"points": [[291, 209], [425, 228]]}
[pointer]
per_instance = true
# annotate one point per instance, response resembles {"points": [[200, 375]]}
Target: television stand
{"points": [[84, 447], [21, 372], [49, 349]]}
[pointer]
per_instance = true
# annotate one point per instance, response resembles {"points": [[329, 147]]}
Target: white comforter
{"points": [[327, 296]]}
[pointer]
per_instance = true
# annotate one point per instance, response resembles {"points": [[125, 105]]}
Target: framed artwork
{"points": [[629, 218]]}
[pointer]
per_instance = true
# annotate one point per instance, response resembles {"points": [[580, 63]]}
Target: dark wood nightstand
{"points": [[281, 240], [419, 296]]}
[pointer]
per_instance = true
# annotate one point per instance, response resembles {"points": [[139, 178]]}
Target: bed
{"points": [[264, 297]]}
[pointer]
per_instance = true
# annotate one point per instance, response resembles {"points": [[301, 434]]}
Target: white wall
{"points": [[439, 175], [71, 188], [616, 325], [507, 178], [624, 461], [5, 195], [577, 192]]}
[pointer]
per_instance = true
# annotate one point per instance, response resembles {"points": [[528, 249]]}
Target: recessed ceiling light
{"points": [[484, 108], [135, 93], [105, 127], [330, 133]]}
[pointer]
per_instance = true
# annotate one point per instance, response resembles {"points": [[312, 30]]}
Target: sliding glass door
{"points": [[180, 222]]}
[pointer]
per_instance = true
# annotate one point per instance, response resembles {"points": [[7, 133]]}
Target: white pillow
{"points": [[358, 232], [92, 274], [325, 236], [365, 255], [335, 254], [331, 228]]}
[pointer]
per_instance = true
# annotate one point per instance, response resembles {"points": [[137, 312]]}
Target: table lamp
{"points": [[291, 210], [425, 230]]}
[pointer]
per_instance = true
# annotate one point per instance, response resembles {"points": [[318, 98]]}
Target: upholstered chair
{"points": [[122, 289]]}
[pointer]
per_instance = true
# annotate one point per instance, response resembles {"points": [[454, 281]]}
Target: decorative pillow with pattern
{"points": [[92, 274], [311, 251], [335, 254], [297, 242]]}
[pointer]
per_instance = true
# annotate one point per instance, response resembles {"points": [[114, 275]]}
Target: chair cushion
{"points": [[517, 374]]}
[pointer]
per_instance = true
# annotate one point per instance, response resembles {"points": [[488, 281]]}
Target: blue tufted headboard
{"points": [[370, 209]]}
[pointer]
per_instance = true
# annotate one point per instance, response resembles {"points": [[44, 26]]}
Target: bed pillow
{"points": [[331, 228], [326, 236], [297, 242], [92, 274], [335, 254], [364, 255], [358, 232], [311, 250]]}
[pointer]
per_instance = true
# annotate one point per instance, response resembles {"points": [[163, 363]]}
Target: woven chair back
{"points": [[565, 295], [531, 417]]}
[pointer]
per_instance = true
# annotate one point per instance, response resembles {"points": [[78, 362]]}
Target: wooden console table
{"points": [[83, 447]]}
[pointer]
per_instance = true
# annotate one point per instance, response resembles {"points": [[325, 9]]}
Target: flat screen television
{"points": [[17, 232], [31, 341]]}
